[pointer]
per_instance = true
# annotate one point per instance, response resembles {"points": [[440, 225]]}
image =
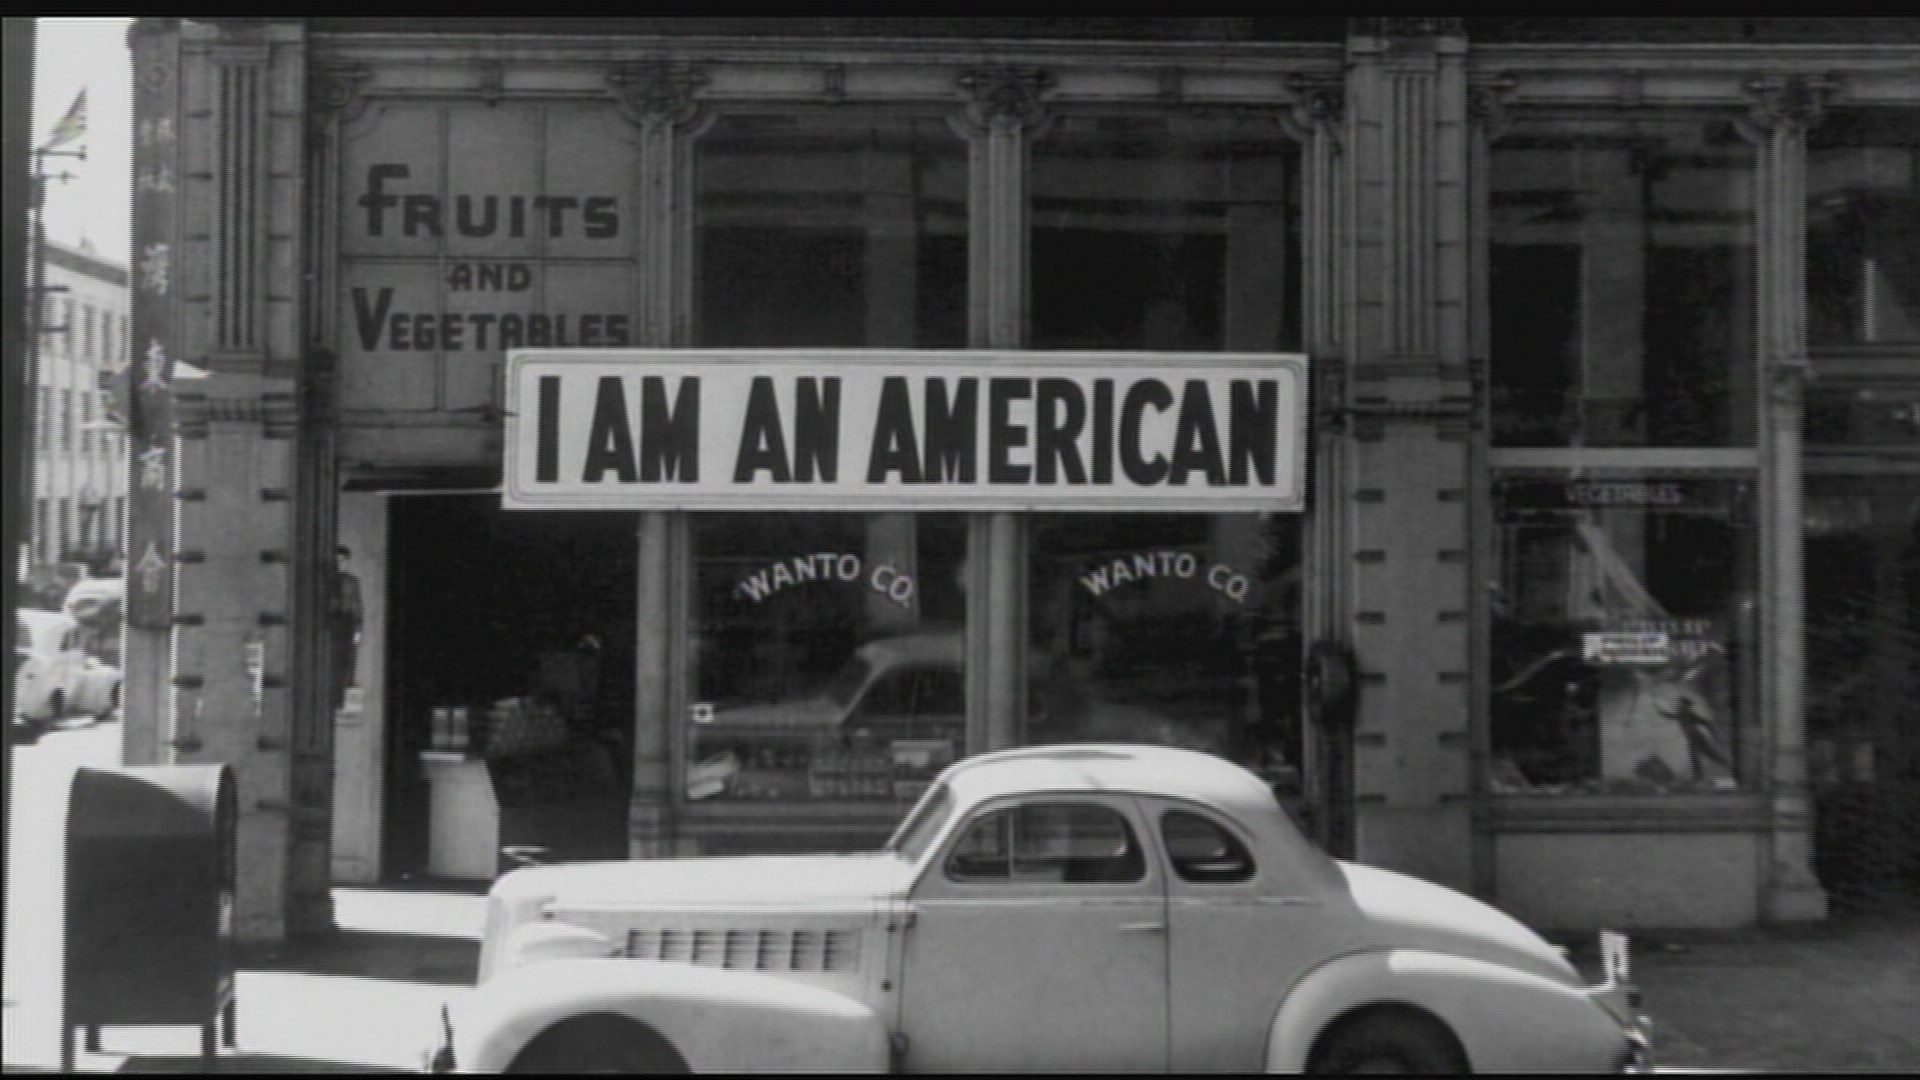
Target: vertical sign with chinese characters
{"points": [[149, 371]]}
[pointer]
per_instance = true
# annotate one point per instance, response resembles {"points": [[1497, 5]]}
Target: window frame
{"points": [[942, 868]]}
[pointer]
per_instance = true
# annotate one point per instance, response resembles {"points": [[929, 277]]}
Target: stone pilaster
{"points": [[1003, 113], [239, 691], [1408, 411], [661, 100], [1316, 120], [1783, 110]]}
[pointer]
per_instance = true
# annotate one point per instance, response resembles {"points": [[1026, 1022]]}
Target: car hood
{"points": [[862, 882], [805, 713], [1427, 915]]}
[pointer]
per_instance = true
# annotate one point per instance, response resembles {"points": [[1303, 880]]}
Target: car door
{"points": [[1037, 942], [1239, 935]]}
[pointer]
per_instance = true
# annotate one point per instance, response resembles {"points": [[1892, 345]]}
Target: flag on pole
{"points": [[73, 126]]}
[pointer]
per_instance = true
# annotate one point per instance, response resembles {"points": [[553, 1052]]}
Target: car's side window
{"points": [[1070, 843], [1204, 851]]}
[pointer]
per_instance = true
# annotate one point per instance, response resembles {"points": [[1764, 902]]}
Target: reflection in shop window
{"points": [[831, 230], [1623, 634], [1165, 232], [1178, 630], [1621, 285], [828, 663], [1863, 227]]}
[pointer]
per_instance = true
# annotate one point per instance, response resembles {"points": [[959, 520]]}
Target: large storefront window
{"points": [[1863, 228], [1165, 232], [1624, 633], [1180, 630], [837, 230], [1622, 284], [828, 658], [828, 663]]}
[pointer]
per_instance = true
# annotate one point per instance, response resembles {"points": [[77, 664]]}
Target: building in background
{"points": [[79, 451], [1611, 325]]}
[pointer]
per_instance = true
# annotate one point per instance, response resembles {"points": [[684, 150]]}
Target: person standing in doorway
{"points": [[344, 617]]}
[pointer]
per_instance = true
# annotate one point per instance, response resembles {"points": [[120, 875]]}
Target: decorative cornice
{"points": [[1407, 26], [1785, 103], [658, 92], [1005, 97]]}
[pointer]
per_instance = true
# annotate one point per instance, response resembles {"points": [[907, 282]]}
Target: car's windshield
{"points": [[922, 824], [848, 682]]}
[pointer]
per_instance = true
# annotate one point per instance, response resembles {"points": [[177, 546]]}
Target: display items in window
{"points": [[830, 665], [1623, 625]]}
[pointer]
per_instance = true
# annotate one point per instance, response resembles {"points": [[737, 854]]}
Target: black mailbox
{"points": [[149, 902]]}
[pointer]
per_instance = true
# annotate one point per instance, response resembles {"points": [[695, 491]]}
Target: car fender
{"points": [[1507, 1020], [718, 1020]]}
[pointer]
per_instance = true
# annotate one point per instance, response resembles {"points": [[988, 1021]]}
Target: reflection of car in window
{"points": [[893, 687]]}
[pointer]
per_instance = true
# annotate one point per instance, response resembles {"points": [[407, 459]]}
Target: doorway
{"points": [[517, 614]]}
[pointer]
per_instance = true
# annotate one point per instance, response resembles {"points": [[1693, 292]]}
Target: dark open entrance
{"points": [[532, 609]]}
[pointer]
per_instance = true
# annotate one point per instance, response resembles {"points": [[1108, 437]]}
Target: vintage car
{"points": [[55, 678], [1072, 908]]}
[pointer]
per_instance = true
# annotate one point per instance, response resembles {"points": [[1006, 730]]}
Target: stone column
{"points": [[1002, 116], [242, 153], [1410, 407], [1316, 121], [661, 101], [1783, 110]]}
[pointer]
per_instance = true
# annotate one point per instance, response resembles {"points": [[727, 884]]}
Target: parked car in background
{"points": [[57, 678], [1089, 907], [99, 606]]}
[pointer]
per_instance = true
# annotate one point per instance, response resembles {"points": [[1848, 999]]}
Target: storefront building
{"points": [[1610, 337]]}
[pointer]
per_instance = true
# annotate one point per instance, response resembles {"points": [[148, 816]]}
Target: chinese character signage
{"points": [[840, 429], [149, 399]]}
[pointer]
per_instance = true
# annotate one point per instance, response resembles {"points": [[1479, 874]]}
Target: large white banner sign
{"points": [[825, 429]]}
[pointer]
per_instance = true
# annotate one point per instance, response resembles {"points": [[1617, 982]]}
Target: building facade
{"points": [[1611, 328], [79, 454]]}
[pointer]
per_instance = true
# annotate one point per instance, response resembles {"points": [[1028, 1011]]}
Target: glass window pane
{"points": [[1171, 629], [1168, 232], [1623, 635], [1621, 263], [829, 658], [1863, 227], [1203, 851], [831, 230], [1069, 843]]}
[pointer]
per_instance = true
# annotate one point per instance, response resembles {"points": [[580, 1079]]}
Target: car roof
{"points": [[35, 617], [1116, 767]]}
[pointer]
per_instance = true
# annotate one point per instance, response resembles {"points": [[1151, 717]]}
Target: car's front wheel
{"points": [[599, 1044], [1388, 1041]]}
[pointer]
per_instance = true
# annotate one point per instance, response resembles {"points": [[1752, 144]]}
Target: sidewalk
{"points": [[1838, 996], [365, 1000]]}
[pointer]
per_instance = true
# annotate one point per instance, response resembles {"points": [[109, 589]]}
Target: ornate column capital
{"points": [[1784, 103], [1487, 100], [658, 92], [1318, 106], [1005, 98], [334, 90]]}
